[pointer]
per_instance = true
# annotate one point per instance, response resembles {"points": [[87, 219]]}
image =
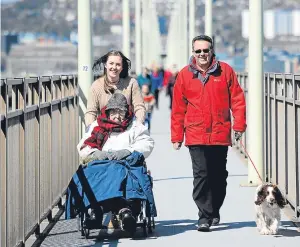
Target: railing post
{"points": [[208, 18], [22, 105], [185, 44], [138, 38], [296, 116], [3, 161], [85, 57], [255, 116], [191, 24], [126, 27]]}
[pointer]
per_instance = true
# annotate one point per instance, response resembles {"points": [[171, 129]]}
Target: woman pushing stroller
{"points": [[115, 136]]}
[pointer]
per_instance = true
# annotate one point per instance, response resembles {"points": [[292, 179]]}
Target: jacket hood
{"points": [[197, 74]]}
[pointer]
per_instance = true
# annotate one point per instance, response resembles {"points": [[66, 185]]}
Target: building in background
{"points": [[7, 40], [277, 22]]}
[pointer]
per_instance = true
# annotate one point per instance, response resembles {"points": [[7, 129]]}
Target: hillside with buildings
{"points": [[44, 24], [59, 17]]}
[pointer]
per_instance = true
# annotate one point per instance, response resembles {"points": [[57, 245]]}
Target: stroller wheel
{"points": [[128, 222], [153, 222], [132, 233], [149, 225], [78, 223], [86, 233], [141, 216], [80, 220], [145, 233]]}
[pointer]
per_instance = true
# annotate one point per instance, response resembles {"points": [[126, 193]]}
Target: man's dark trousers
{"points": [[210, 174]]}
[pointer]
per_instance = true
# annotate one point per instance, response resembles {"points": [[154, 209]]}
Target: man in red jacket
{"points": [[205, 94]]}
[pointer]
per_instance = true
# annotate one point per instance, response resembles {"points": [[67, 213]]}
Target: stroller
{"points": [[127, 193]]}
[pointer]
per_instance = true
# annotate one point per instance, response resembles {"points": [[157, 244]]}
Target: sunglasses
{"points": [[204, 51]]}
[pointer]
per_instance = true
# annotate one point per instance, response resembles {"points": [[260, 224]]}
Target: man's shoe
{"points": [[203, 227], [215, 221]]}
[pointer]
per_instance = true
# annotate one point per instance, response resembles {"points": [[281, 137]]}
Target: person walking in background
{"points": [[156, 83], [167, 76], [149, 101], [115, 79], [170, 86], [205, 93], [144, 78]]}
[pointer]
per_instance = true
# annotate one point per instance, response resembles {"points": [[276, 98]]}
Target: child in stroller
{"points": [[113, 150]]}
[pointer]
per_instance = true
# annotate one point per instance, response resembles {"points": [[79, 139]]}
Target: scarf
{"points": [[197, 74], [105, 127], [109, 87]]}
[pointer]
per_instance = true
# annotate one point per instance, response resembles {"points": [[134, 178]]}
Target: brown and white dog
{"points": [[268, 202]]}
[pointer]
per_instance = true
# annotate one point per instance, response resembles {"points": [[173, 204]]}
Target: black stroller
{"points": [[132, 208]]}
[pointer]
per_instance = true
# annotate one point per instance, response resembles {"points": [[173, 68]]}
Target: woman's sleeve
{"points": [[142, 141], [92, 107], [138, 102], [86, 150]]}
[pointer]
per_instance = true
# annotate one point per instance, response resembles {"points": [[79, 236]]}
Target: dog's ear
{"points": [[261, 195], [279, 198]]}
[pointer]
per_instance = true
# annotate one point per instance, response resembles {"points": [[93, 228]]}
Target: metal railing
{"points": [[40, 130], [281, 133], [38, 138]]}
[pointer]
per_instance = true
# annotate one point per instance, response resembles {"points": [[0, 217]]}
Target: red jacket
{"points": [[202, 103]]}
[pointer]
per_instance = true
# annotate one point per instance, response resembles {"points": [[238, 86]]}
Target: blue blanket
{"points": [[107, 179]]}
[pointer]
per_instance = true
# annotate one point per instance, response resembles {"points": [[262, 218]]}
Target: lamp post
{"points": [[85, 51], [126, 28], [208, 18], [255, 92], [138, 37]]}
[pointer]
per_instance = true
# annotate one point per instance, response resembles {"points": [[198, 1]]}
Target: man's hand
{"points": [[177, 145], [238, 135], [118, 155]]}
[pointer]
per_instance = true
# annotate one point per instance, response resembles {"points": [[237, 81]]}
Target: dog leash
{"points": [[250, 160]]}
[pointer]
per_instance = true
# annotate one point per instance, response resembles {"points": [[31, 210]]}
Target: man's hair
{"points": [[203, 37]]}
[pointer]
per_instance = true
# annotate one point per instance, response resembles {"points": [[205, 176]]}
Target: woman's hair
{"points": [[99, 63]]}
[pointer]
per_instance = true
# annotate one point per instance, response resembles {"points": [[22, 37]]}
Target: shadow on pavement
{"points": [[233, 225], [174, 227], [287, 228]]}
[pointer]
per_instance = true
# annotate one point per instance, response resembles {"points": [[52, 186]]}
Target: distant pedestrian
{"points": [[144, 78], [156, 84], [149, 101], [170, 86]]}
